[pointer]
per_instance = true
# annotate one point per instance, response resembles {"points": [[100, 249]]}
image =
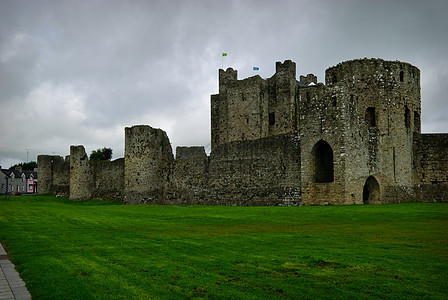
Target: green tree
{"points": [[29, 166], [101, 154]]}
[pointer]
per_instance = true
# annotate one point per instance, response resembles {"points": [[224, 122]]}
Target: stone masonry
{"points": [[148, 165], [278, 141], [103, 179], [55, 172]]}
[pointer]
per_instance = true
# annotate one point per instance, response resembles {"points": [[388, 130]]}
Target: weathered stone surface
{"points": [[148, 164], [103, 179], [82, 176], [431, 167], [190, 174], [256, 172], [54, 175], [354, 140]]}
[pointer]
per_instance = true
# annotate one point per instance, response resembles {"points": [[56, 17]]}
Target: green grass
{"points": [[103, 250]]}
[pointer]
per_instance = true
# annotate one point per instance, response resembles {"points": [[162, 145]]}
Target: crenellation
{"points": [[309, 79]]}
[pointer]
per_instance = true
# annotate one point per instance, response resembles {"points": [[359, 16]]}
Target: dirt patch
{"points": [[327, 264]]}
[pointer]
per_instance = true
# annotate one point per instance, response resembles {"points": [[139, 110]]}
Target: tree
{"points": [[29, 166], [101, 154]]}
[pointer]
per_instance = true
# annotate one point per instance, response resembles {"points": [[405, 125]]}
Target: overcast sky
{"points": [[78, 72]]}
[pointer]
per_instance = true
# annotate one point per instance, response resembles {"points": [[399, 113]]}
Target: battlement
{"points": [[308, 79], [287, 65], [373, 70], [227, 76]]}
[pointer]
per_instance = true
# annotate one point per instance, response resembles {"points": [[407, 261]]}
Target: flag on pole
{"points": [[224, 54], [256, 68]]}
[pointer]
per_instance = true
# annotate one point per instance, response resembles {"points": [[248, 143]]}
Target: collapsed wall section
{"points": [[431, 167], [103, 179], [54, 175], [148, 163]]}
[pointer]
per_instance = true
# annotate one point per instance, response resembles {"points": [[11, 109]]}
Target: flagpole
{"points": [[222, 59]]}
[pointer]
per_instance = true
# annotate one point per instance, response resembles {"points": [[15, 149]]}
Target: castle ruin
{"points": [[354, 140]]}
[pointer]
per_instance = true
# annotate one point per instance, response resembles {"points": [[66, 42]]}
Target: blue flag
{"points": [[256, 68]]}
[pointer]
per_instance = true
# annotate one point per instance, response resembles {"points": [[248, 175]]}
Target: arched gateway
{"points": [[371, 192]]}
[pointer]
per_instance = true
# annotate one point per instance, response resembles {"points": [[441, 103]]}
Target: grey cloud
{"points": [[82, 71]]}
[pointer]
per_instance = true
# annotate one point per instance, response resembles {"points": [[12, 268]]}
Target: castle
{"points": [[354, 140]]}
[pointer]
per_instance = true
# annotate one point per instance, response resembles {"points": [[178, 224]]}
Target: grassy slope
{"points": [[99, 249]]}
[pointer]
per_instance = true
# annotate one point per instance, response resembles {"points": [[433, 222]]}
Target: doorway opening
{"points": [[323, 162], [371, 191]]}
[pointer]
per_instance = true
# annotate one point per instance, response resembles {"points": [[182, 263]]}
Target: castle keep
{"points": [[354, 140]]}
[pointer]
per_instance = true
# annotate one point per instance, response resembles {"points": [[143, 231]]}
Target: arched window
{"points": [[271, 118], [323, 162], [334, 78]]}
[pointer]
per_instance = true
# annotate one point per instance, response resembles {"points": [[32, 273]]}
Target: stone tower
{"points": [[363, 119], [148, 161], [254, 108], [82, 175]]}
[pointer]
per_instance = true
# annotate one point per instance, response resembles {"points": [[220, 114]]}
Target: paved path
{"points": [[11, 285]]}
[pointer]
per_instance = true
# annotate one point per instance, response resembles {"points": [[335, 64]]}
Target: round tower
{"points": [[385, 96], [390, 85]]}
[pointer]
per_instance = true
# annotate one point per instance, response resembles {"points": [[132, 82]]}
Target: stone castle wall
{"points": [[431, 168], [109, 179], [54, 175], [103, 179], [256, 172], [190, 176], [353, 140]]}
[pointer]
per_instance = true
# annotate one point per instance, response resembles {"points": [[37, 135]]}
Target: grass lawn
{"points": [[101, 249]]}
